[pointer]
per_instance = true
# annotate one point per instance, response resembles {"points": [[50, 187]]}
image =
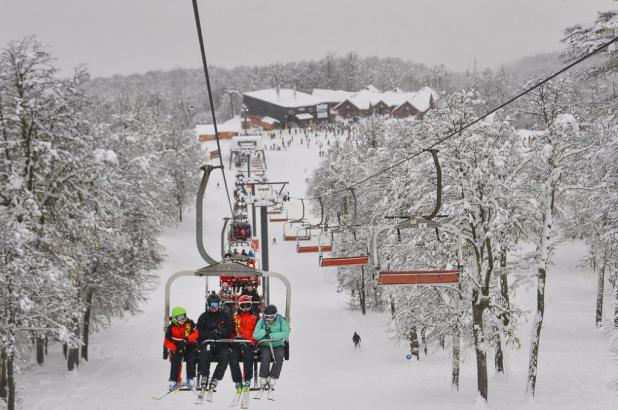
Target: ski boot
{"points": [[173, 386], [204, 383], [213, 385], [263, 383], [189, 384], [246, 386], [239, 387]]}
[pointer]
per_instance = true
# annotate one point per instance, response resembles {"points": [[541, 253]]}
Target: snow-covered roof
{"points": [[331, 96], [231, 125], [285, 98], [419, 99], [269, 120], [304, 116]]}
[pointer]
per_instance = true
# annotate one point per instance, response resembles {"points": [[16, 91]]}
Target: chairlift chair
{"points": [[359, 258], [280, 216], [314, 248]]}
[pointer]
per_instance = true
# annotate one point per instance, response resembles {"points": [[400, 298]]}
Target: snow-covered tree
{"points": [[582, 39]]}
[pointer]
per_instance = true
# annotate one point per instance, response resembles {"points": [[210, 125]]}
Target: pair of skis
{"points": [[241, 398], [178, 388], [269, 392], [205, 393]]}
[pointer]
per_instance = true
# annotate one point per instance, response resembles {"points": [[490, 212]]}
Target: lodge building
{"points": [[283, 107]]}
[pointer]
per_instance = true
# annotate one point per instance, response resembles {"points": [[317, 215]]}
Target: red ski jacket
{"points": [[175, 333], [244, 324]]}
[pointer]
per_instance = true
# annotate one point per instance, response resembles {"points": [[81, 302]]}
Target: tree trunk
{"points": [[424, 340], [3, 381], [481, 356], [180, 212], [536, 333], [10, 382], [393, 310], [544, 250], [506, 315], [616, 310], [456, 359], [600, 293], [86, 323], [499, 359], [73, 348], [65, 350], [40, 348], [414, 348], [361, 293], [73, 358]]}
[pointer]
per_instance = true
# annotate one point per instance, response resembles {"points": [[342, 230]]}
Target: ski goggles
{"points": [[214, 305], [245, 305], [270, 318], [181, 318]]}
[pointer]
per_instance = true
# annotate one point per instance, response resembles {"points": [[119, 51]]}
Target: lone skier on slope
{"points": [[213, 324], [273, 329], [180, 341], [356, 339]]}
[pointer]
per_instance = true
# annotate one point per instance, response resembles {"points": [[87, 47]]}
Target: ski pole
{"points": [[272, 351]]}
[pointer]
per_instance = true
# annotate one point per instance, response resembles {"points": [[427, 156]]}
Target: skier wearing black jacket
{"points": [[213, 324]]}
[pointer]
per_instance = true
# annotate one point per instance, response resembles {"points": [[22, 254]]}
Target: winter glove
{"points": [[181, 348], [239, 337], [267, 335]]}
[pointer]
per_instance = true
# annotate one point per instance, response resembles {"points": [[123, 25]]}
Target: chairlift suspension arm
{"points": [[199, 214], [436, 162]]}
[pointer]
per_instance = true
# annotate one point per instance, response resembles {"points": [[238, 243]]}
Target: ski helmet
{"points": [[270, 313], [213, 302], [178, 313], [245, 302]]}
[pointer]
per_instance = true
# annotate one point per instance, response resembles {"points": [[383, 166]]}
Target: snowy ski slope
{"points": [[325, 372]]}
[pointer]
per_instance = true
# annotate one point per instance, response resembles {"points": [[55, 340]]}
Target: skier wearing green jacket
{"points": [[274, 330]]}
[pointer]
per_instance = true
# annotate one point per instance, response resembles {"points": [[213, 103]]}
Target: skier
{"points": [[180, 341], [244, 325], [213, 324], [273, 329], [250, 290], [227, 298], [274, 240], [356, 339]]}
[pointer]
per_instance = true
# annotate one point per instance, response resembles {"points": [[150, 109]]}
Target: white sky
{"points": [[134, 36]]}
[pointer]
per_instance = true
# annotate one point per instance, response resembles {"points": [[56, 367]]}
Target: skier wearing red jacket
{"points": [[244, 325], [180, 341]]}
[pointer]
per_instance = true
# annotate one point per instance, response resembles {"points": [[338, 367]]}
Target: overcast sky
{"points": [[134, 36]]}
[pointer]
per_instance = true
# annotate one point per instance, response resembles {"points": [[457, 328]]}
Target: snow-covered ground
{"points": [[325, 371]]}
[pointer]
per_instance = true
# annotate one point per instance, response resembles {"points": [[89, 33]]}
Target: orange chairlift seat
{"points": [[357, 259], [419, 277], [314, 248], [291, 231], [279, 217], [436, 277], [275, 210]]}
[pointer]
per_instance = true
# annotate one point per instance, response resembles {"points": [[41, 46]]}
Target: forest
{"points": [[92, 170]]}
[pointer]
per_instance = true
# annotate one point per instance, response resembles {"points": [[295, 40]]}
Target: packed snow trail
{"points": [[325, 371]]}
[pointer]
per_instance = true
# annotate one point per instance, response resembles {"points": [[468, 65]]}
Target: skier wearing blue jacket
{"points": [[272, 326]]}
